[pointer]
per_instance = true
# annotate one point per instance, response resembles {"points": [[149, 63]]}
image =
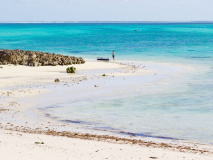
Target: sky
{"points": [[106, 10]]}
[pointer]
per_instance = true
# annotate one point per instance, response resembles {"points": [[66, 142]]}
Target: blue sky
{"points": [[106, 10]]}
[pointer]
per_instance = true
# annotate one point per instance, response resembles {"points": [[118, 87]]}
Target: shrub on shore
{"points": [[71, 69], [57, 80]]}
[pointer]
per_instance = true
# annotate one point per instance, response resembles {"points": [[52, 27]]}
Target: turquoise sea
{"points": [[184, 112]]}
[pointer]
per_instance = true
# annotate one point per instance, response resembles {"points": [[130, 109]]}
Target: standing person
{"points": [[113, 55]]}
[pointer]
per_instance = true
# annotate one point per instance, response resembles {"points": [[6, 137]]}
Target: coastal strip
{"points": [[25, 131]]}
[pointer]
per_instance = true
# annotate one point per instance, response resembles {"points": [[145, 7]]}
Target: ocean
{"points": [[182, 112]]}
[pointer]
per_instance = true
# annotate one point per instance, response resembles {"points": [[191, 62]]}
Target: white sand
{"points": [[22, 88], [21, 146]]}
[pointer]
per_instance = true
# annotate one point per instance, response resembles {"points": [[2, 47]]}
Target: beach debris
{"points": [[39, 142], [36, 58], [1, 67], [2, 110], [104, 75], [95, 86], [104, 138], [57, 80], [71, 69], [153, 157]]}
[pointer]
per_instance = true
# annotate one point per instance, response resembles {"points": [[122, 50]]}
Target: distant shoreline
{"points": [[107, 22]]}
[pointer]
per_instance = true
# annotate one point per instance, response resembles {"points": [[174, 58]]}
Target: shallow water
{"points": [[180, 109]]}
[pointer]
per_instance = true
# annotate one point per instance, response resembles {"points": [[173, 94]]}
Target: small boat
{"points": [[102, 59], [137, 30]]}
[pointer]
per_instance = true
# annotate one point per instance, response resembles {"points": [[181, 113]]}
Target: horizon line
{"points": [[106, 21]]}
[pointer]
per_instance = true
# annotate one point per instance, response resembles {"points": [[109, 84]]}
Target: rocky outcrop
{"points": [[36, 58]]}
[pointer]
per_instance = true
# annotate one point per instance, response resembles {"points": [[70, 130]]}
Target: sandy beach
{"points": [[28, 132]]}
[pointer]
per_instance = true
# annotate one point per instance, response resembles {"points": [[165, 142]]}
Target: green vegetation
{"points": [[71, 69]]}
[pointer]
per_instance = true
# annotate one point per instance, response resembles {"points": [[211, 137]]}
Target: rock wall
{"points": [[36, 58]]}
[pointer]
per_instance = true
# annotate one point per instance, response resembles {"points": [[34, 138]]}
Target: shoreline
{"points": [[37, 86], [27, 146]]}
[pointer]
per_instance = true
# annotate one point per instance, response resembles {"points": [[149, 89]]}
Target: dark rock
{"points": [[57, 80], [37, 58], [4, 62], [23, 62], [16, 63]]}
